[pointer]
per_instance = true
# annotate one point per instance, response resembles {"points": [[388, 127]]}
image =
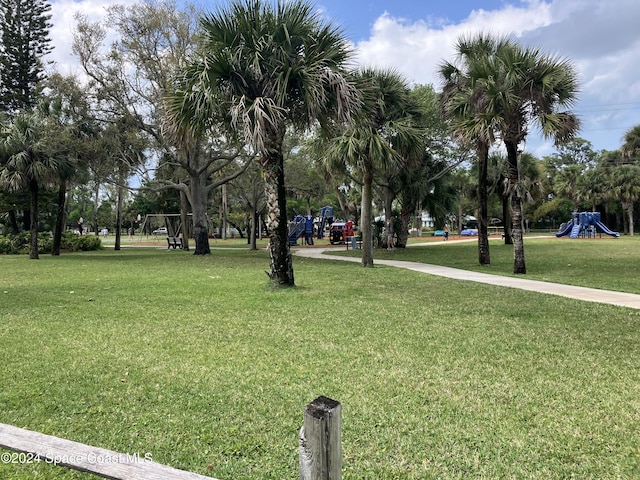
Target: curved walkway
{"points": [[622, 299]]}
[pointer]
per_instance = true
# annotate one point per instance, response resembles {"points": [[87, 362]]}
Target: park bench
{"points": [[174, 242], [353, 242]]}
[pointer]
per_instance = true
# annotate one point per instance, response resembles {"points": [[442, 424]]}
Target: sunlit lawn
{"points": [[607, 263], [197, 362]]}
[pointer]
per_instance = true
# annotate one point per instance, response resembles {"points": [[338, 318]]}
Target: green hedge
{"points": [[19, 244]]}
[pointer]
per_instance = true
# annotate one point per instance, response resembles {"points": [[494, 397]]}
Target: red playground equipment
{"points": [[340, 231]]}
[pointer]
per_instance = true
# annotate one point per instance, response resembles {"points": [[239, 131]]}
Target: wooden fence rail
{"points": [[38, 447], [320, 451]]}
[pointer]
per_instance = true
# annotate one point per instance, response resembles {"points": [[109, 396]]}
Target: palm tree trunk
{"points": [[483, 212], [60, 215], [366, 218], [402, 231], [281, 273], [516, 209], [630, 215], [33, 223], [506, 219]]}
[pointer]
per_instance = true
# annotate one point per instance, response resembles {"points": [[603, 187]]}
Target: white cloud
{"points": [[418, 48], [62, 19], [600, 38]]}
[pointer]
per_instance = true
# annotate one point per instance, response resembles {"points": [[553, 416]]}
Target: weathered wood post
{"points": [[321, 441]]}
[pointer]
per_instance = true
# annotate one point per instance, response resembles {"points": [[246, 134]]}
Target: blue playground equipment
{"points": [[326, 218], [301, 226], [584, 225]]}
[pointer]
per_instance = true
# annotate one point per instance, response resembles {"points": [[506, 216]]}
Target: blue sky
{"points": [[601, 39], [357, 17]]}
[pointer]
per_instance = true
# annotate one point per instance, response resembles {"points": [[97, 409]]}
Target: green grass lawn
{"points": [[606, 263], [198, 363]]}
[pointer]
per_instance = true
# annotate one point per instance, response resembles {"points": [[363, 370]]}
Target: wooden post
{"points": [[321, 441]]}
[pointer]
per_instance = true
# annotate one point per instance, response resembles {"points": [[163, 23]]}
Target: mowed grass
{"points": [[606, 263], [198, 363]]}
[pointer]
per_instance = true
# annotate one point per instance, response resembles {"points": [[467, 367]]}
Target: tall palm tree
{"points": [[534, 88], [469, 84], [264, 68], [382, 133]]}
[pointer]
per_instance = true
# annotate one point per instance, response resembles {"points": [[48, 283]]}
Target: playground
{"points": [[195, 361], [585, 225]]}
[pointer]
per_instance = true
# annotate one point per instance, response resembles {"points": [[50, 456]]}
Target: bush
{"points": [[16, 244], [5, 246], [84, 243], [45, 242]]}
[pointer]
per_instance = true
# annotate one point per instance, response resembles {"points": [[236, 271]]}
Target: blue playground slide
{"points": [[575, 230], [566, 230], [581, 222], [602, 227], [296, 229], [301, 226]]}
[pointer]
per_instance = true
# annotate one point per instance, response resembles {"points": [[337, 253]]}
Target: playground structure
{"points": [[301, 226], [325, 218], [340, 232], [584, 225]]}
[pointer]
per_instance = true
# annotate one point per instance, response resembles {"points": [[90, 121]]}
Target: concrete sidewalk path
{"points": [[622, 299]]}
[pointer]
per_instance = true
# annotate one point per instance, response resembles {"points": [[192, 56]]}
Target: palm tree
{"points": [[627, 176], [469, 85], [626, 179], [382, 133], [631, 147], [533, 87], [30, 159], [265, 68]]}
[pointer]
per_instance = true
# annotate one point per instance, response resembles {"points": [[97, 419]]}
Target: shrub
{"points": [[45, 242], [75, 243], [5, 246], [15, 244]]}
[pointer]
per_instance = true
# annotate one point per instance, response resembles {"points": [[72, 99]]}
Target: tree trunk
{"points": [[366, 218], [60, 216], [254, 229], [223, 212], [199, 196], [516, 209], [342, 202], [418, 215], [483, 216], [628, 207], [184, 220], [402, 231], [26, 220], [96, 197], [33, 223], [119, 209], [13, 222], [272, 164], [506, 218]]}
